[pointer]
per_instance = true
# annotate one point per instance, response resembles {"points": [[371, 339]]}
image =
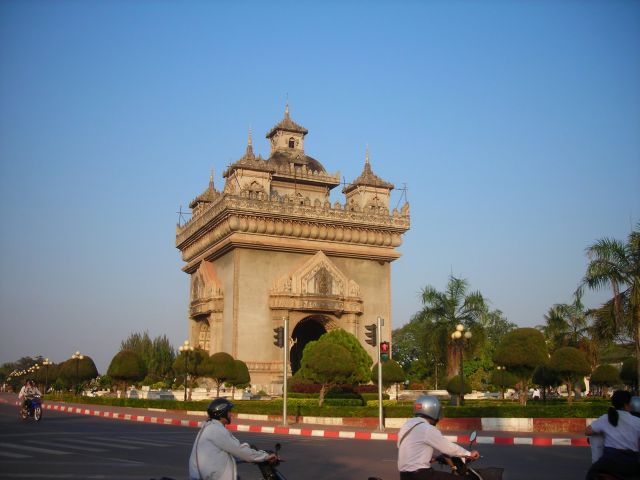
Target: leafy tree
{"points": [[126, 367], [78, 371], [546, 378], [454, 387], [220, 367], [162, 358], [361, 372], [47, 374], [452, 307], [566, 324], [616, 264], [139, 343], [392, 374], [241, 377], [629, 372], [521, 351], [605, 376], [196, 362], [571, 364], [502, 379], [327, 363], [158, 354]]}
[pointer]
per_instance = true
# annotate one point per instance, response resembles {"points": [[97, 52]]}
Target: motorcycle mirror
{"points": [[473, 437], [278, 447]]}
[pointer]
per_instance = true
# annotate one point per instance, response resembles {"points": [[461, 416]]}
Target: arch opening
{"points": [[307, 330]]}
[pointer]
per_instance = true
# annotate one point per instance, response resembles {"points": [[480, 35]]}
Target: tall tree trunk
{"points": [[453, 362], [637, 342], [323, 390]]}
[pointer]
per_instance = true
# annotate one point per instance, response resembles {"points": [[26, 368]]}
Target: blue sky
{"points": [[514, 124]]}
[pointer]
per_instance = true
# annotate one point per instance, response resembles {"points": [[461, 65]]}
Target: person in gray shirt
{"points": [[215, 449]]}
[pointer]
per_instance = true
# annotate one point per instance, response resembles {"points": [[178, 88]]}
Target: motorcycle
{"points": [[457, 465], [462, 468], [269, 470], [33, 408]]}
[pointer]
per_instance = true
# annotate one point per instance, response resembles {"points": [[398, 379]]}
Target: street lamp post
{"points": [[186, 348], [77, 357], [34, 371], [459, 337], [501, 369], [46, 364]]}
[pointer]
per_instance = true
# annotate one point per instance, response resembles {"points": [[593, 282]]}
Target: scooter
{"points": [[457, 465], [461, 468], [596, 442], [32, 409], [269, 470]]}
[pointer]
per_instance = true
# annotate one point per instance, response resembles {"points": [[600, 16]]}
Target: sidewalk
{"points": [[274, 426]]}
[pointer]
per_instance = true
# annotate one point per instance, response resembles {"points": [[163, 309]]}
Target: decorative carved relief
{"points": [[317, 285], [206, 293], [204, 335]]}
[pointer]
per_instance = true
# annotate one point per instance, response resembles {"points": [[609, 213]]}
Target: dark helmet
{"points": [[427, 406], [219, 408]]}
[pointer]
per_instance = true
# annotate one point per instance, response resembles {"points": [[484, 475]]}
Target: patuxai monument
{"points": [[270, 245]]}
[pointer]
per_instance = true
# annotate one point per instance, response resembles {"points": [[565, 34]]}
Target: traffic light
{"points": [[384, 351], [278, 337], [371, 334]]}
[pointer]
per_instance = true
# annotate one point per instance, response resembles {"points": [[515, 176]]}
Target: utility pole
{"points": [[379, 324], [285, 320]]}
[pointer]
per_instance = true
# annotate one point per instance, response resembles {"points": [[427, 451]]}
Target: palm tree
{"points": [[567, 325], [616, 264], [452, 307]]}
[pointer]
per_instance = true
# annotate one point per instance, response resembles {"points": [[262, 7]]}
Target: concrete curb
{"points": [[310, 432]]}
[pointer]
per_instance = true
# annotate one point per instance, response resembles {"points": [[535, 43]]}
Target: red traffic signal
{"points": [[384, 351]]}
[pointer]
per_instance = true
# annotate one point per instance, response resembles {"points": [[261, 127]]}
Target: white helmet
{"points": [[427, 406]]}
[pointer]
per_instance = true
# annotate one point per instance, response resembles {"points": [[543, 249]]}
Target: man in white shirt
{"points": [[215, 449], [419, 441], [27, 392]]}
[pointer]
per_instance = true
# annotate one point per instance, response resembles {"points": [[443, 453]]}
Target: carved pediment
{"points": [[319, 277]]}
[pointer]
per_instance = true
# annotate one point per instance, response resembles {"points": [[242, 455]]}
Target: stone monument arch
{"points": [[270, 244], [316, 297]]}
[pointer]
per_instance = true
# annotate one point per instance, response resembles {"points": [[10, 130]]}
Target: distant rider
{"points": [[212, 456], [27, 392], [621, 432], [419, 442]]}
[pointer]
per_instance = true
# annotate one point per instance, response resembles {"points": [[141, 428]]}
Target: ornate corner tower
{"points": [[271, 245]]}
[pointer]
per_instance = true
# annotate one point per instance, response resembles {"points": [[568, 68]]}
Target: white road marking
{"points": [[58, 443], [104, 444], [33, 449]]}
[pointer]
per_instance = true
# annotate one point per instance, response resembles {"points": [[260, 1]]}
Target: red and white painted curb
{"points": [[311, 432]]}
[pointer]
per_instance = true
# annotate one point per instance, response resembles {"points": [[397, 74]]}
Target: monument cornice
{"points": [[216, 249], [269, 212]]}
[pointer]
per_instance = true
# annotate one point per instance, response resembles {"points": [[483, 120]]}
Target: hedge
{"points": [[350, 407]]}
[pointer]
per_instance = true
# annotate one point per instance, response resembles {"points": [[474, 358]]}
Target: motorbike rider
{"points": [[214, 451], [27, 392], [621, 432], [419, 442]]}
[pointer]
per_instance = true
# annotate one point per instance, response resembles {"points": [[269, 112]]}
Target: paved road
{"points": [[66, 446]]}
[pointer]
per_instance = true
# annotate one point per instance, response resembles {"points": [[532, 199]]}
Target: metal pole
{"points": [[379, 324], [186, 374], [460, 345], [285, 347]]}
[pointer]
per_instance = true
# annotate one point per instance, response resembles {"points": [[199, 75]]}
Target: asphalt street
{"points": [[69, 446]]}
